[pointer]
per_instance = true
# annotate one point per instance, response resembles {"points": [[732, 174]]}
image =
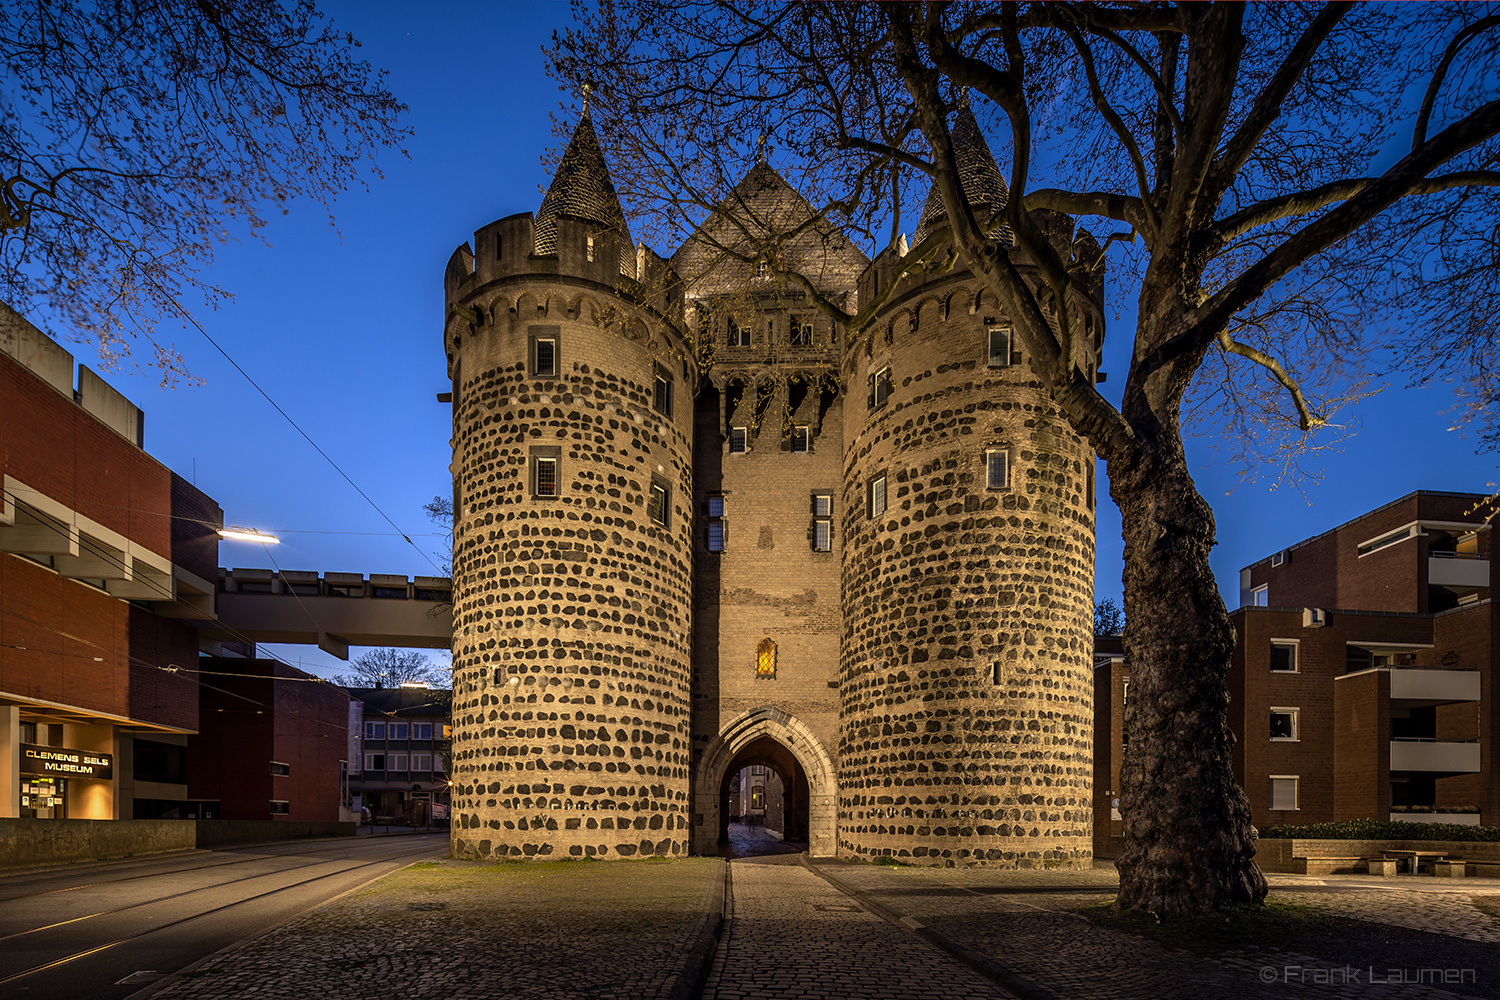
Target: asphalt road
{"points": [[109, 930]]}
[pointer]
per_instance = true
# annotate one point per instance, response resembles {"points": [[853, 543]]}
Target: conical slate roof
{"points": [[977, 173], [582, 189]]}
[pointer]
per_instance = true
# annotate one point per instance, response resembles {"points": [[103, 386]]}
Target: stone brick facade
{"points": [[917, 676]]}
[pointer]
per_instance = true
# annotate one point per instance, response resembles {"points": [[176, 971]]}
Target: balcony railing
{"points": [[1440, 756]]}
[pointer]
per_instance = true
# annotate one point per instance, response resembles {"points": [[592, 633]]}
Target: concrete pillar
{"points": [[10, 761]]}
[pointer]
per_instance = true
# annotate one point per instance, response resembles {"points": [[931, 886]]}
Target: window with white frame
{"points": [[280, 807], [397, 761], [738, 336], [739, 440], [800, 331], [546, 483], [875, 496], [997, 468], [1283, 792], [398, 730], [1260, 597], [374, 730], [374, 762], [421, 730], [1283, 656], [999, 346], [880, 386], [421, 762], [658, 503], [1284, 724], [279, 769], [822, 526], [661, 393], [544, 351], [801, 438]]}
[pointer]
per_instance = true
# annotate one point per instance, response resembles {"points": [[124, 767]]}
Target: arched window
{"points": [[765, 660]]}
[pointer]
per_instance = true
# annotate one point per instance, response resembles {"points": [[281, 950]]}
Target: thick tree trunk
{"points": [[1188, 843]]}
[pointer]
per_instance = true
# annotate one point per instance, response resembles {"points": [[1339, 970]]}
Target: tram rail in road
{"points": [[106, 931]]}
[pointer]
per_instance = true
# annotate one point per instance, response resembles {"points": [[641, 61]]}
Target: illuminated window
{"points": [[589, 248], [757, 796], [765, 659]]}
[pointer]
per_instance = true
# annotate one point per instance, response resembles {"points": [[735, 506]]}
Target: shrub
{"points": [[1375, 829]]}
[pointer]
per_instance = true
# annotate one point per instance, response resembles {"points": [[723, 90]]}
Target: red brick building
{"points": [[274, 744], [104, 554], [1362, 682]]}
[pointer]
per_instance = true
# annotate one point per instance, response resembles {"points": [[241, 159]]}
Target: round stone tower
{"points": [[572, 440], [968, 530]]}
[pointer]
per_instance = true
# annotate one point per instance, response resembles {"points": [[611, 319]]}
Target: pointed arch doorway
{"points": [[770, 738]]}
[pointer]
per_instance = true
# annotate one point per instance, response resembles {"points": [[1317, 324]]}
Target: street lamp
{"points": [[247, 535]]}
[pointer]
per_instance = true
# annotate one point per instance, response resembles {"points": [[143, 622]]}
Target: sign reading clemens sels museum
{"points": [[70, 763]]}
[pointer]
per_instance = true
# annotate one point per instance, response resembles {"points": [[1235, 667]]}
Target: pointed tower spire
{"points": [[582, 189], [978, 175]]}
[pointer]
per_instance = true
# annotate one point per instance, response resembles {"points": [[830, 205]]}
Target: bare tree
{"points": [[1292, 193], [135, 136], [390, 668], [1109, 617]]}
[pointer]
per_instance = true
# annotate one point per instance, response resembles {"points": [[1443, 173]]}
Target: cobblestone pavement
{"points": [[1027, 924], [793, 936], [754, 842], [452, 930]]}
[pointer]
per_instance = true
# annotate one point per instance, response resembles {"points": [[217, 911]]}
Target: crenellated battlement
{"points": [[1079, 249]]}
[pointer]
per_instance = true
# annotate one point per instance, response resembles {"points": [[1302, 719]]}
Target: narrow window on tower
{"points": [[544, 351], [659, 502], [739, 440], [822, 522], [713, 525], [546, 483], [765, 659], [661, 395], [589, 248], [996, 468], [801, 438], [880, 386], [999, 340], [875, 496]]}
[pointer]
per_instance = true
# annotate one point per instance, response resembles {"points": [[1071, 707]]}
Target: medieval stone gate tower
{"points": [[700, 525]]}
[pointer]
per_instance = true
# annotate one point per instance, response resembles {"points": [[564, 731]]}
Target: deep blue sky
{"points": [[344, 330]]}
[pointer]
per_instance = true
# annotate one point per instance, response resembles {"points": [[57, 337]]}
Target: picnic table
{"points": [[1415, 859]]}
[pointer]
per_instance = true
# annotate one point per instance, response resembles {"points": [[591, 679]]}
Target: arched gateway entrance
{"points": [[770, 736]]}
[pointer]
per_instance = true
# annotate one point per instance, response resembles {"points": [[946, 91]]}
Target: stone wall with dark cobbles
{"points": [[572, 615], [967, 652]]}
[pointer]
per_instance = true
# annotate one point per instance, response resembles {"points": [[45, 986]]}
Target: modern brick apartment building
{"points": [[103, 554], [700, 526], [1363, 679]]}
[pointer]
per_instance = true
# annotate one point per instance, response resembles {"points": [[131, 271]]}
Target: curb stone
{"points": [[1023, 988]]}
